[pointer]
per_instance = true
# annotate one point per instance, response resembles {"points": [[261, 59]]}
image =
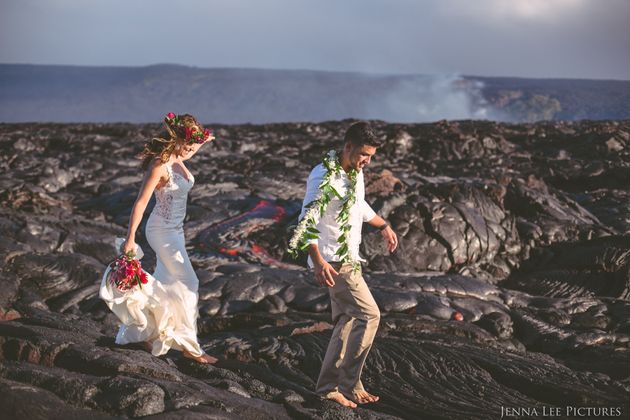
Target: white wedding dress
{"points": [[165, 309]]}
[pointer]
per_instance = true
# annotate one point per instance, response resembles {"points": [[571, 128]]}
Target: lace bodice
{"points": [[171, 198]]}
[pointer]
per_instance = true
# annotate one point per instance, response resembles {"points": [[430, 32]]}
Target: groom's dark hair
{"points": [[360, 134]]}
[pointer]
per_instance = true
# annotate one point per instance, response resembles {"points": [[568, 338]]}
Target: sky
{"points": [[521, 38]]}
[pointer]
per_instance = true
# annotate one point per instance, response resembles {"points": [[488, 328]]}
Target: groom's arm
{"points": [[388, 233], [370, 216], [322, 269], [312, 191]]}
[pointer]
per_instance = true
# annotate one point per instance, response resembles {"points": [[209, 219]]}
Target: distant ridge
{"points": [[54, 93]]}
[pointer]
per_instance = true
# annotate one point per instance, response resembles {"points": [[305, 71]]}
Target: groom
{"points": [[354, 310]]}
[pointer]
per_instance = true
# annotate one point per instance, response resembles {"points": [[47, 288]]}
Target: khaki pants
{"points": [[356, 316]]}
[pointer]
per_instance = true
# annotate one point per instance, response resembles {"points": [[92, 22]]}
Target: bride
{"points": [[170, 321]]}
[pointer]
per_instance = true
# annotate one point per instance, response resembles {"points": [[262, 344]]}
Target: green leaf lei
{"points": [[306, 230]]}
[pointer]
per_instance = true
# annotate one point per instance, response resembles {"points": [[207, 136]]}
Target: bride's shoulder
{"points": [[158, 167], [157, 163]]}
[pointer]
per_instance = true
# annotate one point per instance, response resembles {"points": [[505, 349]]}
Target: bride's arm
{"points": [[151, 180]]}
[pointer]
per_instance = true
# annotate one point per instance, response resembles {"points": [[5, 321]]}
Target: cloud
{"points": [[539, 10], [527, 38]]}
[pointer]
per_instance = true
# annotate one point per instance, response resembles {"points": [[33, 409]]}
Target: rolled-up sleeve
{"points": [[366, 211], [312, 191]]}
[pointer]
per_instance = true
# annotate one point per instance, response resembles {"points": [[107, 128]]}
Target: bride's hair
{"points": [[163, 148]]}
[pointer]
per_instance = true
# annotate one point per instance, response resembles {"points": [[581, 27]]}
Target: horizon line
{"points": [[356, 72]]}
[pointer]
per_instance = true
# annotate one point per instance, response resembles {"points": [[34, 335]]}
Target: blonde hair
{"points": [[162, 148]]}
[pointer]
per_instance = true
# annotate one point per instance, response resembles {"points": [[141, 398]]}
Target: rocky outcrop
{"points": [[510, 287]]}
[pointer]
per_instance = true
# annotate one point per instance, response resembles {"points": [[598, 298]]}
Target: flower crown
{"points": [[192, 134]]}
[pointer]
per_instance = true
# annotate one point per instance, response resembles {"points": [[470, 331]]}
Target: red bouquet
{"points": [[126, 272]]}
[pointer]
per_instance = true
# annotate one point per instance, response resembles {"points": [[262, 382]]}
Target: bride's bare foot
{"points": [[204, 358], [339, 398], [364, 397]]}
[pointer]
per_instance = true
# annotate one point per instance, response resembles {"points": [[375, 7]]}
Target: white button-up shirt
{"points": [[327, 225]]}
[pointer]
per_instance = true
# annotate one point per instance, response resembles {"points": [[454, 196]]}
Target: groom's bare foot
{"points": [[364, 397], [148, 346], [339, 398], [204, 358]]}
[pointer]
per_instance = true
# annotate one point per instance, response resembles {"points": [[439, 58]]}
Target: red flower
{"points": [[127, 273], [170, 115], [206, 134], [189, 132]]}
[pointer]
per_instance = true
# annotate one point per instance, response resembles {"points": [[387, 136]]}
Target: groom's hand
{"points": [[390, 238], [386, 231], [324, 273]]}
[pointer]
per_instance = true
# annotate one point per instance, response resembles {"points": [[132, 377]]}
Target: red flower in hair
{"points": [[197, 137], [189, 132], [170, 115]]}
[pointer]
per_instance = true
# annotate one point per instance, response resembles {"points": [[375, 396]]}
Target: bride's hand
{"points": [[129, 245]]}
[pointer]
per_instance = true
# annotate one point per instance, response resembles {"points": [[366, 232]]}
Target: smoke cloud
{"points": [[433, 98]]}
